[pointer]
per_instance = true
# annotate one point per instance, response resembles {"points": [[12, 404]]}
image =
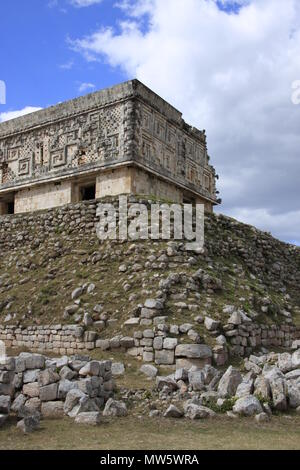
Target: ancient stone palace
{"points": [[121, 140]]}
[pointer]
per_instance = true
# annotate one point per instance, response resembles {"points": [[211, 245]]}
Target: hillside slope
{"points": [[46, 256]]}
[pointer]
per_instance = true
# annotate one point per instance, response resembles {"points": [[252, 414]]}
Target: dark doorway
{"points": [[11, 207], [88, 192]]}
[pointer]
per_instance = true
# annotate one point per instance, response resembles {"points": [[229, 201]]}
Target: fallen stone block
{"points": [[247, 406], [5, 402], [115, 408], [29, 424], [173, 412], [52, 409], [92, 418]]}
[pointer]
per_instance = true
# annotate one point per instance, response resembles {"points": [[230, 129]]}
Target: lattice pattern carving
{"points": [[82, 140]]}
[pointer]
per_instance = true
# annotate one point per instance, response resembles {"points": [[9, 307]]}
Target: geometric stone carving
{"points": [[127, 123], [24, 167], [58, 159]]}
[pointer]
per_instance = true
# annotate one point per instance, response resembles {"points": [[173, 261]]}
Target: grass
{"points": [[157, 434]]}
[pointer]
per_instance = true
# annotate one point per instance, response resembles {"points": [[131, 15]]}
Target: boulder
{"points": [[193, 351], [296, 359], [210, 324], [28, 411], [92, 418], [3, 419], [196, 379], [91, 368], [293, 375], [285, 362], [77, 293], [262, 387], [278, 388], [262, 418], [247, 406], [64, 387], [221, 340], [33, 405], [67, 374], [52, 409], [115, 408], [149, 370], [5, 402], [173, 412], [154, 304], [235, 318], [209, 373], [7, 389], [31, 390], [229, 382], [29, 424], [49, 392], [102, 344], [293, 394], [170, 343], [127, 342], [91, 386], [245, 388], [158, 343], [31, 375], [85, 404], [18, 402], [164, 357], [47, 377], [168, 382], [181, 374], [134, 321], [185, 328], [32, 361], [194, 411], [72, 399], [117, 368]]}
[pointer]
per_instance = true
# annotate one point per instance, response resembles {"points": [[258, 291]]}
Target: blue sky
{"points": [[228, 65], [37, 63]]}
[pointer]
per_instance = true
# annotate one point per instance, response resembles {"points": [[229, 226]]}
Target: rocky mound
{"points": [[155, 299]]}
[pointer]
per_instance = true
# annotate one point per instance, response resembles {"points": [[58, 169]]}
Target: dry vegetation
{"points": [[134, 433]]}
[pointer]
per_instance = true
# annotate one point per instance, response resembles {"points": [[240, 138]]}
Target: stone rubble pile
{"points": [[34, 386], [270, 382], [7, 374]]}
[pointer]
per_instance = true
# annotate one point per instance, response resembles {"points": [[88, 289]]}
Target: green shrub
{"points": [[227, 405]]}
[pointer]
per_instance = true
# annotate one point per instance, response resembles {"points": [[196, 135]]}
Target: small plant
{"points": [[226, 406], [147, 395], [263, 400]]}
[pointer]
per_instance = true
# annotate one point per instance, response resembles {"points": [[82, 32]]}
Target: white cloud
{"points": [[6, 116], [287, 224], [84, 3], [83, 87], [231, 74], [67, 65]]}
